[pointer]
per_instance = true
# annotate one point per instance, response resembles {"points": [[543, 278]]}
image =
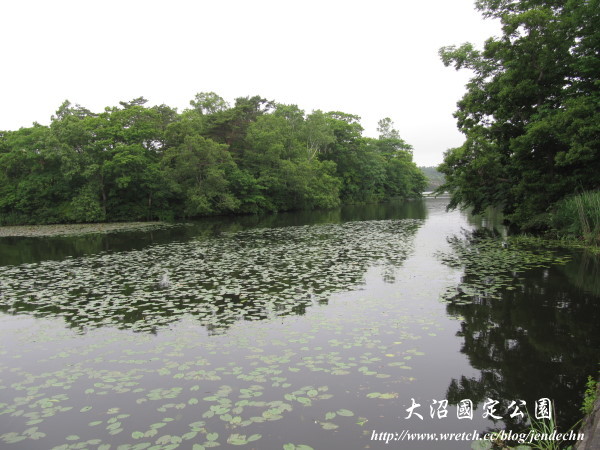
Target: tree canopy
{"points": [[135, 162], [531, 111]]}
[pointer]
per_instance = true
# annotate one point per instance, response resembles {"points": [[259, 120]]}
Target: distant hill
{"points": [[434, 178]]}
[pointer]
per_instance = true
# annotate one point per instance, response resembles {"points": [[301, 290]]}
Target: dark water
{"points": [[314, 329]]}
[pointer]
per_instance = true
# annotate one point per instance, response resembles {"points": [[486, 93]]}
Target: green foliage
{"points": [[530, 114], [545, 427], [134, 162], [198, 172], [590, 396], [85, 206], [578, 217]]}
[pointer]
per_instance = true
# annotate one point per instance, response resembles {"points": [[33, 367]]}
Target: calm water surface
{"points": [[314, 329]]}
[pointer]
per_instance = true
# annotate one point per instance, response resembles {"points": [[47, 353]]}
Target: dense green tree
{"points": [[358, 165], [531, 111], [281, 156], [208, 103], [390, 143], [198, 172], [34, 184], [229, 125], [121, 162], [134, 162], [318, 134], [403, 178]]}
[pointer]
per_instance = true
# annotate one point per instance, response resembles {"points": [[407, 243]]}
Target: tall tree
{"points": [[531, 111], [199, 171], [32, 185]]}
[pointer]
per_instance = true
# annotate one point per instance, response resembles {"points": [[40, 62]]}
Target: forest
{"points": [[139, 162], [531, 117]]}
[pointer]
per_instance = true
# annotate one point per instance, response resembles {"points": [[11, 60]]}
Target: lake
{"points": [[300, 330]]}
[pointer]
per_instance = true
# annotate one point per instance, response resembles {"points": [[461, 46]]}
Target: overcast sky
{"points": [[372, 58]]}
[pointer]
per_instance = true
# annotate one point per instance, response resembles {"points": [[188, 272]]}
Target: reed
{"points": [[578, 217]]}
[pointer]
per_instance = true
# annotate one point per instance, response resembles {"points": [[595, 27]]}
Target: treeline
{"points": [[134, 162], [531, 113], [434, 178]]}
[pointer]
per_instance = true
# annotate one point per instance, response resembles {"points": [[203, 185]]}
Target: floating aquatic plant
{"points": [[195, 391], [80, 229], [250, 275], [492, 265]]}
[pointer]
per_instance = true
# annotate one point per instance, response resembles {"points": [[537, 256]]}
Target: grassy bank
{"points": [[578, 217]]}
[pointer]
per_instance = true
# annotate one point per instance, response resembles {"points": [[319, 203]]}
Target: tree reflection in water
{"points": [[539, 340]]}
